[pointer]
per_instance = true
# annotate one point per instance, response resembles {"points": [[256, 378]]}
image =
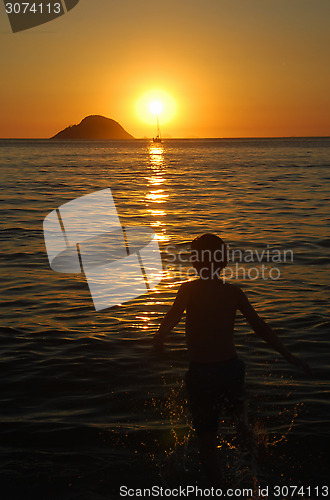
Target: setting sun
{"points": [[156, 103], [156, 107]]}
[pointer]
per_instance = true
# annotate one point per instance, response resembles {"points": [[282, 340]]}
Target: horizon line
{"points": [[167, 138]]}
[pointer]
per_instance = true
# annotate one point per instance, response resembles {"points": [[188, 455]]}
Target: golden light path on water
{"points": [[156, 196], [155, 200], [156, 204]]}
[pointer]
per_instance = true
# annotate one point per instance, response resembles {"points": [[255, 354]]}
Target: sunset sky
{"points": [[221, 68]]}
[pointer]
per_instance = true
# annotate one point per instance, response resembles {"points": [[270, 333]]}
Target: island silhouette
{"points": [[94, 127]]}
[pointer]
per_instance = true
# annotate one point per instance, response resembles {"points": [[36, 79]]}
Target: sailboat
{"points": [[158, 137]]}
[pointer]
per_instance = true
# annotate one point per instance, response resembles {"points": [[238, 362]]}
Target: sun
{"points": [[156, 103], [156, 107]]}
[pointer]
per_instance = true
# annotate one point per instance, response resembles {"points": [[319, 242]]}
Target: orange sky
{"points": [[234, 68]]}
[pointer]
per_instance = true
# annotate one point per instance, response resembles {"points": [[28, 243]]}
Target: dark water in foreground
{"points": [[86, 406]]}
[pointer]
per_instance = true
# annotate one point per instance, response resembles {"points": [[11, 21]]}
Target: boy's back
{"points": [[210, 320]]}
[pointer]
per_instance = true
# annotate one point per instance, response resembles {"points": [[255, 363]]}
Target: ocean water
{"points": [[86, 405]]}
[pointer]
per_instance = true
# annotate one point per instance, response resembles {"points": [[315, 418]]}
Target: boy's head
{"points": [[208, 254]]}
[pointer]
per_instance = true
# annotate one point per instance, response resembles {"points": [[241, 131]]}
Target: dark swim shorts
{"points": [[209, 385]]}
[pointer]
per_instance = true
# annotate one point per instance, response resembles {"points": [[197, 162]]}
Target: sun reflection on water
{"points": [[157, 195], [156, 155]]}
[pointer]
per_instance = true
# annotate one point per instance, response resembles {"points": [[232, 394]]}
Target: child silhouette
{"points": [[215, 372]]}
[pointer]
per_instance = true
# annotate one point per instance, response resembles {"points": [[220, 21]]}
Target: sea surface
{"points": [[86, 405]]}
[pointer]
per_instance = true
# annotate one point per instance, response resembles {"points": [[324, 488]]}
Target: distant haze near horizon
{"points": [[222, 69]]}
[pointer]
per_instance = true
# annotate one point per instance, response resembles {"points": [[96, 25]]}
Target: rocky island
{"points": [[94, 127]]}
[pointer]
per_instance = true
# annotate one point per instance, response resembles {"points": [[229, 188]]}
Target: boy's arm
{"points": [[264, 331], [172, 317]]}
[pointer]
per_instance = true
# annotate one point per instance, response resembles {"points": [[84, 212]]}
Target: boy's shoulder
{"points": [[230, 287], [186, 286], [237, 289]]}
